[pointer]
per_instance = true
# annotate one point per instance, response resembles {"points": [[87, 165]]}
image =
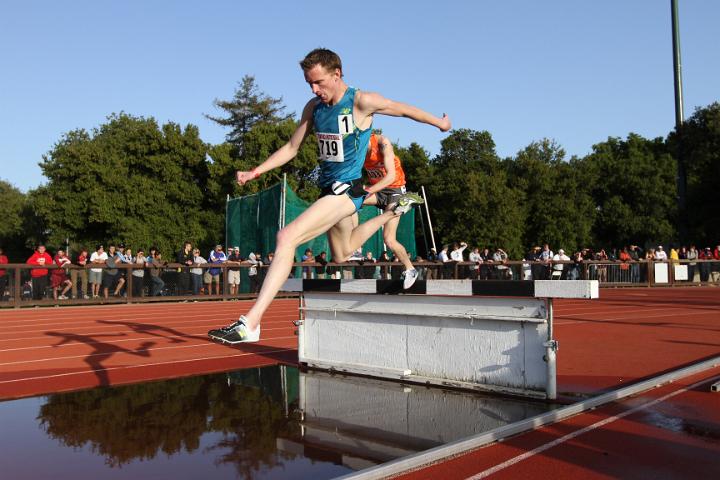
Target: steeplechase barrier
{"points": [[481, 335]]}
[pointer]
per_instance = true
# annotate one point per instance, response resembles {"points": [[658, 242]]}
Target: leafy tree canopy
{"points": [[248, 107], [129, 180]]}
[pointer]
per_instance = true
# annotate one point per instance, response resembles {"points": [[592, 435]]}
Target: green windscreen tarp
{"points": [[253, 221]]}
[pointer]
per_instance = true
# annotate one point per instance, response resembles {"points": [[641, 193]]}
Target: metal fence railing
{"points": [[22, 285]]}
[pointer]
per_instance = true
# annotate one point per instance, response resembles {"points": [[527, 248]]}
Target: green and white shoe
{"points": [[406, 201]]}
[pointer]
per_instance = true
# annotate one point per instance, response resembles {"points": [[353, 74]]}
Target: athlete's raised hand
{"points": [[243, 177], [445, 124]]}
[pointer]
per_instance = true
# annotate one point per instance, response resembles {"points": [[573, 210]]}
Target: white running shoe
{"points": [[409, 277], [239, 334]]}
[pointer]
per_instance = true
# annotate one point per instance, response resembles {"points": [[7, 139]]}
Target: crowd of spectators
{"points": [[103, 273], [100, 274], [614, 265]]}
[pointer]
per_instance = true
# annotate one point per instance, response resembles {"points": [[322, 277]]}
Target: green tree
{"points": [[633, 187], [131, 180], [558, 208], [470, 196], [249, 106], [700, 148], [17, 225], [12, 202], [416, 164]]}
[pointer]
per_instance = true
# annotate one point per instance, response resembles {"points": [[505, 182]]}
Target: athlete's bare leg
{"points": [[390, 238], [317, 219], [338, 237], [343, 245]]}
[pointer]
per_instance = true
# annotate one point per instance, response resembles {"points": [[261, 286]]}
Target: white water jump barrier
{"points": [[479, 335]]}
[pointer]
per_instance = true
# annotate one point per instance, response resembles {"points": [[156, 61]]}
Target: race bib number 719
{"points": [[331, 147]]}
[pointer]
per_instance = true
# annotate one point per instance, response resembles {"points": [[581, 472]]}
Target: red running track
{"points": [[44, 350]]}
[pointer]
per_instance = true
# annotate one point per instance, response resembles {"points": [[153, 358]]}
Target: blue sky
{"points": [[573, 71]]}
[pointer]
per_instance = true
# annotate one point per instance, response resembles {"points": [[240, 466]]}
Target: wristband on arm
{"points": [[255, 173]]}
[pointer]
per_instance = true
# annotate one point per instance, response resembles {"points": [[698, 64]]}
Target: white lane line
{"points": [[577, 433], [85, 372]]}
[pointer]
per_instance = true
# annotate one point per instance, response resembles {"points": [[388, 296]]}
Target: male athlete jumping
{"points": [[341, 117]]}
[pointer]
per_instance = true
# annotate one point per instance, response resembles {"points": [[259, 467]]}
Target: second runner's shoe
{"points": [[409, 277], [406, 202]]}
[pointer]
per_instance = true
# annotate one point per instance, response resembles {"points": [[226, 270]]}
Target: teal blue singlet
{"points": [[341, 144]]}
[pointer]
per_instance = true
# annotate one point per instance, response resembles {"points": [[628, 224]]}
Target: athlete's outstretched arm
{"points": [[370, 103], [285, 153], [388, 154]]}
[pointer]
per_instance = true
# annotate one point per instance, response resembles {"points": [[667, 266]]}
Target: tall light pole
{"points": [[679, 118]]}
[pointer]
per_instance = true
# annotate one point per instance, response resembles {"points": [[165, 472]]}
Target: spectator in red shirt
{"points": [[39, 275], [3, 275], [58, 277]]}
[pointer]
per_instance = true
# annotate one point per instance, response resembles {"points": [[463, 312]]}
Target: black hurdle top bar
{"points": [[486, 288]]}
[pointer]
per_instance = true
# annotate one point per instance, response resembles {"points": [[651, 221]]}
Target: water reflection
{"points": [[269, 422]]}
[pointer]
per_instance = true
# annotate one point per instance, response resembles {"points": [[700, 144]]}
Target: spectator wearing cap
{"points": [[660, 254], [98, 257], [233, 271], [185, 258], [216, 257], [39, 276]]}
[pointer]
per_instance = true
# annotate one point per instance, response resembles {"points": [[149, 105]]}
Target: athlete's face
{"points": [[323, 83]]}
